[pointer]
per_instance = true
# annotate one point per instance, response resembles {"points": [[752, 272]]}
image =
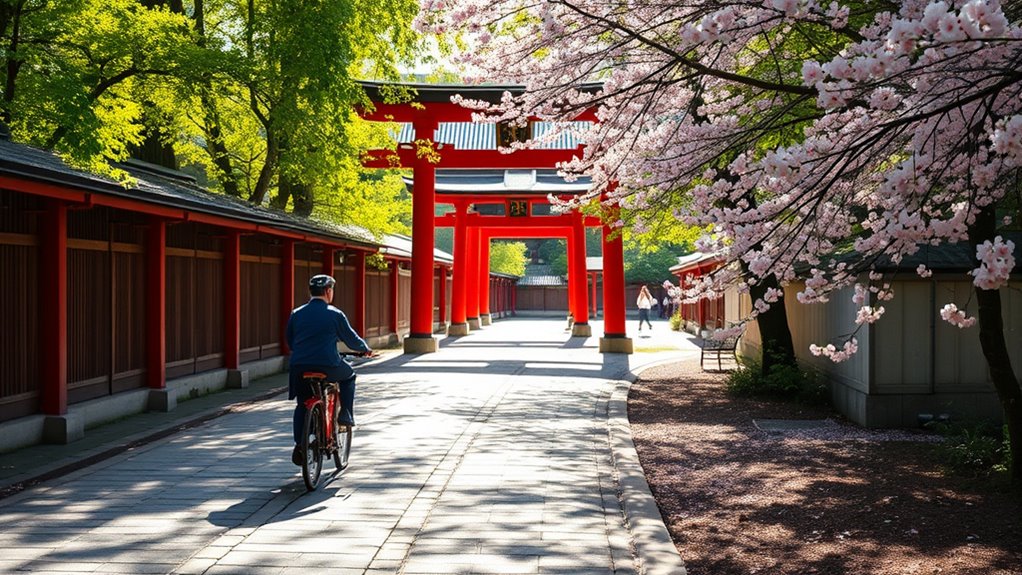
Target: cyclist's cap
{"points": [[321, 281]]}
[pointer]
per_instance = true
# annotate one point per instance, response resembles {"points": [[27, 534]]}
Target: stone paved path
{"points": [[491, 456]]}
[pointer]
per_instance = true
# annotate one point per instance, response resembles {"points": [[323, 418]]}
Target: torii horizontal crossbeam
{"points": [[450, 157], [481, 221]]}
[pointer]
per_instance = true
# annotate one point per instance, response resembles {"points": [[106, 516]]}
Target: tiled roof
{"points": [[161, 186], [543, 281], [479, 136]]}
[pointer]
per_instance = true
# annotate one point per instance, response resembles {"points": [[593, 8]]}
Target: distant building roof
{"points": [[691, 261], [541, 281], [493, 93], [401, 246], [483, 136]]}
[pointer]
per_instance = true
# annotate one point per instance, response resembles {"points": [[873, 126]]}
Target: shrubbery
{"points": [[974, 448], [676, 321], [784, 381]]}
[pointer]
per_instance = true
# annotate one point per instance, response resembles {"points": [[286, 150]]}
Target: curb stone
{"points": [[654, 549]]}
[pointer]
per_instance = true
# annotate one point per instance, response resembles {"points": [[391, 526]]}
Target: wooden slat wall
{"points": [[19, 306], [308, 262], [195, 299], [404, 301], [260, 298], [377, 303], [542, 298], [106, 302], [344, 293]]}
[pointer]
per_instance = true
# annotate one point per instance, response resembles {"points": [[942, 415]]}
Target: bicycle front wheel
{"points": [[312, 441]]}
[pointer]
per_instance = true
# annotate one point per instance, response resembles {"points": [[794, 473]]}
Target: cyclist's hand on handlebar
{"points": [[367, 353]]}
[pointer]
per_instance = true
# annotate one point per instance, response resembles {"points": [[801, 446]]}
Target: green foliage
{"points": [[549, 250], [258, 94], [71, 82], [651, 265], [973, 448], [783, 381], [507, 258]]}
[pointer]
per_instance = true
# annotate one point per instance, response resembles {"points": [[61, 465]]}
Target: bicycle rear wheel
{"points": [[342, 439], [312, 440]]}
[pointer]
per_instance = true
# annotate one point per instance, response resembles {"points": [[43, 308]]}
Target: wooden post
{"points": [[443, 298], [232, 297], [53, 308], [287, 289], [156, 303], [395, 283], [358, 320]]}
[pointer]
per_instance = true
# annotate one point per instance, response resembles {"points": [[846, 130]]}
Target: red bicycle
{"points": [[323, 435]]}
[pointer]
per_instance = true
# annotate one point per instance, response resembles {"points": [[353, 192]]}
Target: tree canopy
{"points": [[258, 94], [507, 257]]}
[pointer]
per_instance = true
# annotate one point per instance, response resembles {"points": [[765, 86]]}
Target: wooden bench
{"points": [[718, 348]]}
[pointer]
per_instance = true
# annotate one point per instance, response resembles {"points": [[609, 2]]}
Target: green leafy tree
{"points": [[651, 265], [72, 68], [507, 257]]}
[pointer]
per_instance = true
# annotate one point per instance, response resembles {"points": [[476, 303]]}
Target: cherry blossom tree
{"points": [[812, 141]]}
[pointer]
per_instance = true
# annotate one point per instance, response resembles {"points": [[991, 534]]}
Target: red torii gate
{"points": [[470, 309]]}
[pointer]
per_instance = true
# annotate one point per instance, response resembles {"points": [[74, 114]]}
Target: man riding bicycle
{"points": [[313, 331]]}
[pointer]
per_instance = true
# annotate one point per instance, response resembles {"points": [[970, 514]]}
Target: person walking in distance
{"points": [[313, 331], [644, 302]]}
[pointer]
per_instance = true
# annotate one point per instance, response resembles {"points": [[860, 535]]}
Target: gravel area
{"points": [[839, 499]]}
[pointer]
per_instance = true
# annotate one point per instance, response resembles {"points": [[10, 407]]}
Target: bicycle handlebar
{"points": [[367, 354]]}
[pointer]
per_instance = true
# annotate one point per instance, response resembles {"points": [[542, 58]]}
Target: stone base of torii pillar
{"points": [[415, 345], [616, 345], [581, 330]]}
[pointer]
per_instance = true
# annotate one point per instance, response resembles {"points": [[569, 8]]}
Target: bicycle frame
{"points": [[327, 394]]}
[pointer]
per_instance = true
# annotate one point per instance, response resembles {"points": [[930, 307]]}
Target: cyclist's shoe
{"points": [[345, 423], [297, 456]]}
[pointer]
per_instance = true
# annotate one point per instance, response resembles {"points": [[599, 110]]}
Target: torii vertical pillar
{"points": [[614, 339], [484, 280], [459, 287], [420, 339], [581, 327], [572, 292], [472, 271]]}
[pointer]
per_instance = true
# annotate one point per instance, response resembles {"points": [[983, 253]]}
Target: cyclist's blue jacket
{"points": [[313, 331]]}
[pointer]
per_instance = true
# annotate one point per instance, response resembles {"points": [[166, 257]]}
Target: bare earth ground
{"points": [[843, 500]]}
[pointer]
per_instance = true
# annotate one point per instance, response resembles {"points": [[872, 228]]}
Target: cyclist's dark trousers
{"points": [[303, 392]]}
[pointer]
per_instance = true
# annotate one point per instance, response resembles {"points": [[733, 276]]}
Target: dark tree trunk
{"points": [[155, 147], [10, 16], [215, 145], [211, 124], [262, 185], [778, 348], [301, 195], [995, 349]]}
